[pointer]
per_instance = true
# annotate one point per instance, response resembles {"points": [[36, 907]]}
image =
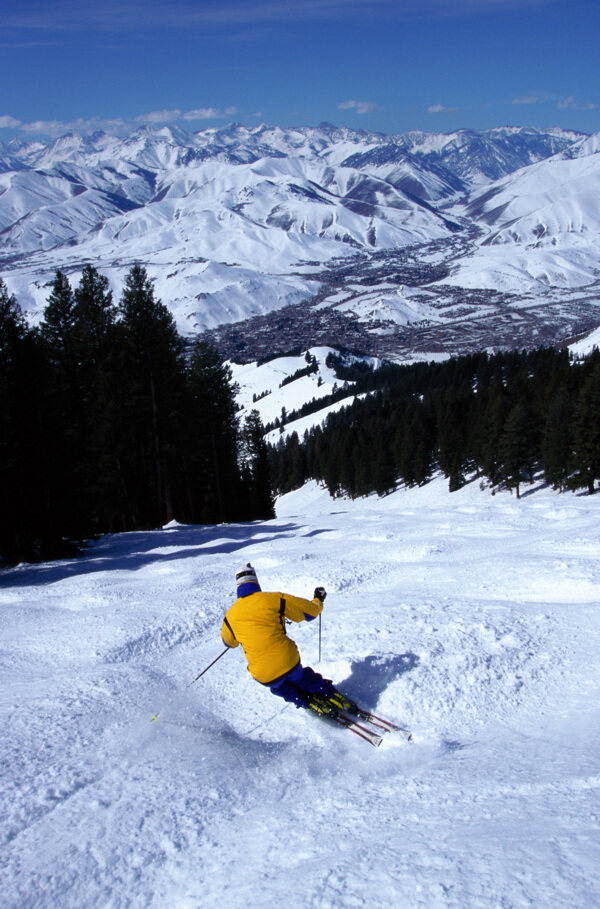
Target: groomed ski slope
{"points": [[473, 618]]}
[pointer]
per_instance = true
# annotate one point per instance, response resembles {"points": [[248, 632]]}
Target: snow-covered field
{"points": [[473, 618]]}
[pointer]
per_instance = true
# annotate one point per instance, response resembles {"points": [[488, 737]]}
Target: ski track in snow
{"points": [[473, 619]]}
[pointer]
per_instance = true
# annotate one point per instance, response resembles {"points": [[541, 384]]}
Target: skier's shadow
{"points": [[370, 677]]}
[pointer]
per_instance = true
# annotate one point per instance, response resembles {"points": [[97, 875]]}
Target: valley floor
{"points": [[473, 618]]}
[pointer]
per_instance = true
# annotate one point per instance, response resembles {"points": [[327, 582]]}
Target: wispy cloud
{"points": [[116, 125], [7, 122], [440, 109], [56, 128], [571, 103], [118, 15], [566, 102], [209, 113], [159, 116], [529, 99], [361, 107]]}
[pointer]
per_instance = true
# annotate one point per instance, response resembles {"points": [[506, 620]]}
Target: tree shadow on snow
{"points": [[370, 677], [136, 549]]}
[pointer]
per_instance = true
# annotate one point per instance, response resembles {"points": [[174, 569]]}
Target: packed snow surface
{"points": [[473, 618]]}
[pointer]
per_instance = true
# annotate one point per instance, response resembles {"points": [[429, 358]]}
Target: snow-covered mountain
{"points": [[236, 222], [543, 221], [459, 160]]}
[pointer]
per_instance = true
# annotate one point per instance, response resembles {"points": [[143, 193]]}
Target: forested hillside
{"points": [[503, 417], [106, 425], [109, 422]]}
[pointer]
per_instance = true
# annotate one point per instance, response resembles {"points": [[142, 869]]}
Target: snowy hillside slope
{"points": [[472, 618], [438, 165], [586, 345], [542, 224], [260, 388], [237, 223]]}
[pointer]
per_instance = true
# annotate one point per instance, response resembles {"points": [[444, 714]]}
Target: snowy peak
{"points": [[163, 147], [589, 145], [554, 197], [239, 222]]}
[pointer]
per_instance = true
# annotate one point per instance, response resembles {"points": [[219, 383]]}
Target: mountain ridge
{"points": [[239, 222]]}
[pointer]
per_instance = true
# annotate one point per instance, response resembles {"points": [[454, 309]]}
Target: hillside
{"points": [[389, 244], [472, 618]]}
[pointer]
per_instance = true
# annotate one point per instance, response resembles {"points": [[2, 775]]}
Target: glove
{"points": [[320, 594]]}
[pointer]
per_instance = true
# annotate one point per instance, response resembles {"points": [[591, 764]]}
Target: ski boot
{"points": [[341, 702], [321, 705]]}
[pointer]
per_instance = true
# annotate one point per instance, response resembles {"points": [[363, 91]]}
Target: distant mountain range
{"points": [[416, 242]]}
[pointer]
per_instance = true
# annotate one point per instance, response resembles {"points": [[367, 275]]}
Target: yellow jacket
{"points": [[257, 622]]}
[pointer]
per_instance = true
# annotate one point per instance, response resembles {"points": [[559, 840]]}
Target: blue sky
{"points": [[386, 65]]}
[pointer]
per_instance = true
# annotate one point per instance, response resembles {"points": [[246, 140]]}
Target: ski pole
{"points": [[200, 674], [155, 716], [319, 660]]}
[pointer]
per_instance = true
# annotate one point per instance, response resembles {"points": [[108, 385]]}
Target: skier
{"points": [[257, 622]]}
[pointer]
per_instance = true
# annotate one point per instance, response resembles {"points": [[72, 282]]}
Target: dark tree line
{"points": [[107, 425], [503, 417]]}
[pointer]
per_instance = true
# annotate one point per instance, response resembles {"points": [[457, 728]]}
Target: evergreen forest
{"points": [[109, 423], [505, 417]]}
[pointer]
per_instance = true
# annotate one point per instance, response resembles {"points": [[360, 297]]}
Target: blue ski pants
{"points": [[300, 681]]}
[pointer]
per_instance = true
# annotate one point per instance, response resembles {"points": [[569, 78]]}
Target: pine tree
{"points": [[586, 433], [66, 439], [95, 317], [493, 418], [57, 328], [213, 437], [25, 529], [516, 446], [452, 433], [256, 469], [557, 439], [152, 372], [96, 338], [12, 333]]}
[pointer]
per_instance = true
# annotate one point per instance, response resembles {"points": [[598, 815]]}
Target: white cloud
{"points": [[118, 15], [571, 103], [56, 128], [361, 107], [159, 116], [47, 127], [116, 126], [528, 99], [209, 113], [440, 109]]}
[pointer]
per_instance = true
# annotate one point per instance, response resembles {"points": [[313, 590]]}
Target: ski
{"points": [[348, 707], [333, 714], [384, 725], [369, 735], [342, 710]]}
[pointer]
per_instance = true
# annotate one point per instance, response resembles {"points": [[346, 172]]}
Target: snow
{"points": [[586, 345], [472, 618], [254, 380], [542, 225], [236, 222]]}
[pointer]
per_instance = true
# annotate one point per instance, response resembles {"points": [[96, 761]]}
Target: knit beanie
{"points": [[246, 580]]}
